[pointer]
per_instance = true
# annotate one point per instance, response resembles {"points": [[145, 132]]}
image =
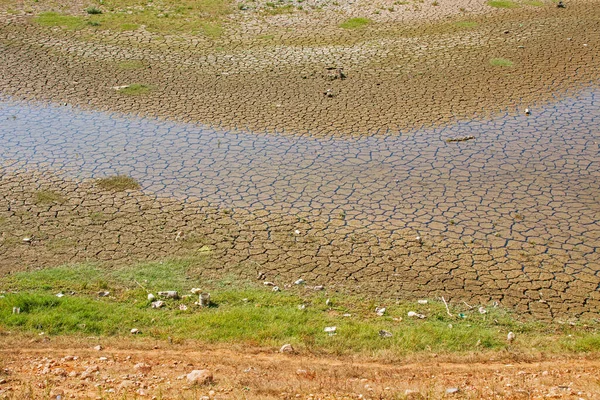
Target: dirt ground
{"points": [[420, 65], [41, 367]]}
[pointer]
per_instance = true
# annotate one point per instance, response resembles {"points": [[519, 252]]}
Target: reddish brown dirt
{"points": [[38, 368]]}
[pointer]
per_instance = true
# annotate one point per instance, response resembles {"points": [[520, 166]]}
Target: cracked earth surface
{"points": [[510, 215]]}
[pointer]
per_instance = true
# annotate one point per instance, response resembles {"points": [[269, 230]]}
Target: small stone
{"points": [[299, 282], [103, 294], [482, 310], [452, 390], [385, 334], [98, 348], [151, 297], [142, 367], [199, 377], [158, 304], [276, 289], [330, 330], [319, 287], [134, 331], [415, 315], [183, 307], [510, 337], [380, 311], [196, 290], [286, 348], [422, 301], [61, 294]]}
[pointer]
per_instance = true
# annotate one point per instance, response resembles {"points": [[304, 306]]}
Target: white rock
{"points": [[319, 287], [151, 297], [169, 294], [158, 304], [415, 315], [380, 311], [98, 348], [301, 307], [286, 348], [268, 283], [422, 301], [482, 310], [331, 330], [452, 390], [134, 331], [61, 294], [275, 289], [297, 232], [183, 307], [299, 282], [510, 337], [196, 290], [199, 377]]}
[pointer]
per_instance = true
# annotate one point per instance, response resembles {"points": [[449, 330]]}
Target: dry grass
{"points": [[118, 183]]}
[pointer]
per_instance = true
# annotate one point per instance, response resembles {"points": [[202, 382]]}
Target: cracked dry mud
{"points": [[511, 215]]}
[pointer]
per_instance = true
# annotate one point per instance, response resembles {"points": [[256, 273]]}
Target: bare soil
{"points": [[41, 367]]}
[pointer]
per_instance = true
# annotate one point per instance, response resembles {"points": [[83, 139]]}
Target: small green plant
{"points": [[93, 11], [48, 197], [93, 23], [502, 4], [135, 89], [56, 19], [118, 183], [355, 23], [501, 62], [435, 3], [465, 24], [131, 64]]}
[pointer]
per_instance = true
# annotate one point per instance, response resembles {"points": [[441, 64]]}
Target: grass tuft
{"points": [[131, 64], [355, 23], [48, 197], [502, 4], [118, 183], [52, 19], [501, 62], [135, 89], [93, 11]]}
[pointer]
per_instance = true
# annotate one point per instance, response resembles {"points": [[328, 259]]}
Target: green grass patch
{"points": [[48, 197], [355, 23], [501, 62], [250, 313], [93, 11], [466, 24], [131, 65], [502, 4], [534, 3], [135, 89], [64, 21], [118, 183]]}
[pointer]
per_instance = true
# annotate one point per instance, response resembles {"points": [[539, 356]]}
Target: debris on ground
{"points": [[415, 315]]}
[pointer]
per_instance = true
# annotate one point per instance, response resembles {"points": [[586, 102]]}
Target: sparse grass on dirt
{"points": [[135, 89], [251, 313], [55, 19], [48, 197], [501, 62], [118, 183], [355, 23], [131, 64], [502, 4]]}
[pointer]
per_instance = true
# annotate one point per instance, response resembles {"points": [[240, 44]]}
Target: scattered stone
{"points": [[319, 287], [199, 377], [169, 294], [196, 290], [61, 294], [276, 289], [135, 331], [452, 390], [183, 307], [151, 297], [301, 307], [103, 294], [267, 283], [460, 139], [299, 282], [380, 311], [385, 334], [422, 301], [16, 310], [482, 310], [261, 276], [28, 240], [158, 304], [98, 348], [329, 93], [561, 4], [510, 337], [415, 315], [328, 302], [286, 348], [527, 111]]}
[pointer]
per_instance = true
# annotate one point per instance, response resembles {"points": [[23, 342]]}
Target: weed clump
{"points": [[118, 183], [355, 23], [501, 62]]}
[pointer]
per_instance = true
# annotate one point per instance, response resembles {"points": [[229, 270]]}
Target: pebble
{"points": [[286, 348], [200, 377]]}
